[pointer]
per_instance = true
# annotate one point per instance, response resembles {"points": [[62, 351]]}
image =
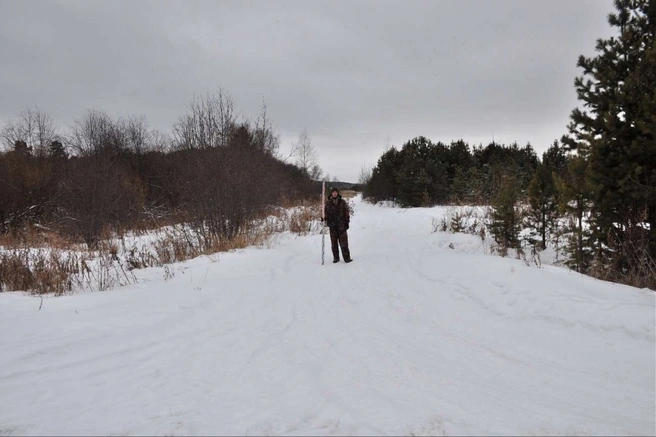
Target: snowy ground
{"points": [[411, 338]]}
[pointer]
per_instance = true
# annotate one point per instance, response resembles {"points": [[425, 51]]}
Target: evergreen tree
{"points": [[412, 178], [468, 185], [460, 164], [526, 161], [617, 130], [576, 194], [56, 150], [457, 156], [505, 222], [543, 205], [383, 185], [556, 158], [21, 148], [437, 170]]}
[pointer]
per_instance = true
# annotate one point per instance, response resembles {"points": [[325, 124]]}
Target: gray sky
{"points": [[356, 74]]}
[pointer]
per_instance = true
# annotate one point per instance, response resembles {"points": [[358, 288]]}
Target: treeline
{"points": [[533, 201], [214, 173], [597, 190], [423, 173]]}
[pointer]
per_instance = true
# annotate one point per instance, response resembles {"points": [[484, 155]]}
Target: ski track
{"points": [[412, 338]]}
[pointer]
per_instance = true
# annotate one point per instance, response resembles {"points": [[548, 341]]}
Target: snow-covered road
{"points": [[410, 338]]}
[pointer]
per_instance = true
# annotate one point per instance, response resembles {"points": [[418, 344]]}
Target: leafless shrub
{"points": [[304, 219], [177, 244], [207, 124], [627, 260], [27, 189], [460, 220]]}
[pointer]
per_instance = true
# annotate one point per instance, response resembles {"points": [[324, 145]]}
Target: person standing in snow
{"points": [[337, 219]]}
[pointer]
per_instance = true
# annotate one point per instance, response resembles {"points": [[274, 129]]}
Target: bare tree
{"points": [[365, 174], [265, 137], [136, 133], [161, 141], [95, 133], [207, 124], [304, 153], [34, 127]]}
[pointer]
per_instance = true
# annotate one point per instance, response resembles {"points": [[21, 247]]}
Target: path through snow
{"points": [[411, 338]]}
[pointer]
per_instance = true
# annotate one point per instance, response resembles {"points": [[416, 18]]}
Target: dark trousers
{"points": [[341, 238]]}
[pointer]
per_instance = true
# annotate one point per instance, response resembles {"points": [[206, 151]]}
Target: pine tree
{"points": [[56, 150], [382, 185], [437, 171], [617, 130], [576, 195], [468, 185], [412, 177], [543, 205], [527, 163], [21, 148], [505, 222], [556, 158]]}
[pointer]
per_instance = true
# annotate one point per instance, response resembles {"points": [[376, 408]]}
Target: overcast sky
{"points": [[356, 74]]}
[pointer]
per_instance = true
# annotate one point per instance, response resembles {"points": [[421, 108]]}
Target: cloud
{"points": [[351, 73]]}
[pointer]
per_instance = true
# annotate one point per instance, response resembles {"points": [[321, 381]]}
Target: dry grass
{"points": [[39, 271], [36, 236], [304, 219], [348, 194], [42, 262]]}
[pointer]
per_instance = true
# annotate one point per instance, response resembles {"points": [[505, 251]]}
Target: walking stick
{"points": [[323, 221]]}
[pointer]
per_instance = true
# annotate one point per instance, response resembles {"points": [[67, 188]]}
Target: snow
{"points": [[412, 338]]}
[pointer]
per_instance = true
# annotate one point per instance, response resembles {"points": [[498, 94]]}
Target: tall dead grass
{"points": [[37, 271], [53, 271], [34, 237], [304, 219], [42, 262]]}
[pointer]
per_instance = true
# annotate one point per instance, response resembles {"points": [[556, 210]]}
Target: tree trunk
{"points": [[579, 244], [544, 228]]}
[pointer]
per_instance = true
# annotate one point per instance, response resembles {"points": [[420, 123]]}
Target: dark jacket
{"points": [[337, 213]]}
